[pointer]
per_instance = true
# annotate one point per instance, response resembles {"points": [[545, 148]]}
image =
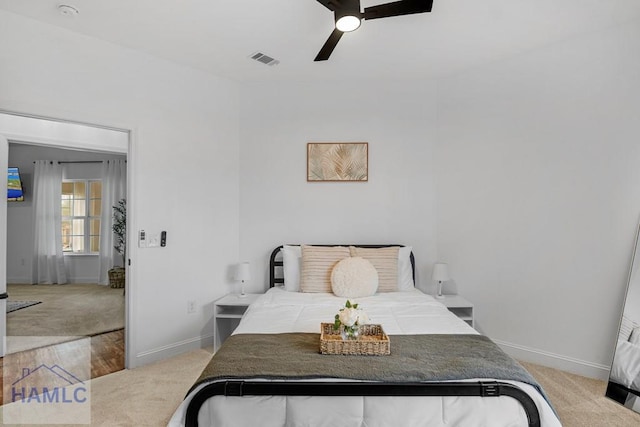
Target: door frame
{"points": [[4, 157], [61, 133]]}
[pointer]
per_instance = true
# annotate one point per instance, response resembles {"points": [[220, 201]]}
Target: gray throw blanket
{"points": [[413, 358]]}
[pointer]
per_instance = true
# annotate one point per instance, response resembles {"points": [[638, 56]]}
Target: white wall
{"points": [[184, 159], [80, 268], [278, 205], [538, 190]]}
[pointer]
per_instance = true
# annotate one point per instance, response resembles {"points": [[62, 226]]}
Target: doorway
{"points": [[52, 135], [86, 304]]}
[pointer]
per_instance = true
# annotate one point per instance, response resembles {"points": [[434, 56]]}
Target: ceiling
{"points": [[218, 36]]}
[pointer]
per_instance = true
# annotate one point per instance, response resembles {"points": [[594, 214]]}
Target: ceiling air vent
{"points": [[261, 57]]}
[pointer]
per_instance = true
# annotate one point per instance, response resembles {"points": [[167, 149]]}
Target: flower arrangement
{"points": [[349, 319]]}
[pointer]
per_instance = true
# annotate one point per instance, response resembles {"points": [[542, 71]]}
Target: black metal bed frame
{"points": [[366, 388], [283, 388], [619, 393]]}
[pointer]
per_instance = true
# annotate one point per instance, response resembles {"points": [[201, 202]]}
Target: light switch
{"points": [[142, 239]]}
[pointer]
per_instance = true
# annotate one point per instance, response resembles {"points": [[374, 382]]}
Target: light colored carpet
{"points": [[580, 401], [71, 310], [149, 395]]}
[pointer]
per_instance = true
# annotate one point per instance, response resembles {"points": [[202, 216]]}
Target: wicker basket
{"points": [[372, 341], [116, 277]]}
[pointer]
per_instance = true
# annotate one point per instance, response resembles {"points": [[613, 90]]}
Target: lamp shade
{"points": [[441, 272], [242, 272]]}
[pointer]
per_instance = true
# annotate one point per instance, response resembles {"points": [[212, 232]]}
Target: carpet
{"points": [[66, 312], [18, 305], [580, 401]]}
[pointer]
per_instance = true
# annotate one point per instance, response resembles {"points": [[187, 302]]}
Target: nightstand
{"points": [[459, 306], [227, 312]]}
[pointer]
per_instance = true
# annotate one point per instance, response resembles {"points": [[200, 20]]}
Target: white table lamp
{"points": [[440, 274], [242, 274]]}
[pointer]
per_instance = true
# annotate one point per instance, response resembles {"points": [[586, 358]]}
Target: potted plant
{"points": [[119, 227]]}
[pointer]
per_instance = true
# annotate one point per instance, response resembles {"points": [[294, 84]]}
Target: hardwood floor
{"points": [[106, 355]]}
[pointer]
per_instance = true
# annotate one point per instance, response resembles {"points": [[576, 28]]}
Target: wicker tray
{"points": [[372, 341]]}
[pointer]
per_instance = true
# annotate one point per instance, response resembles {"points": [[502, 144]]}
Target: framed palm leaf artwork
{"points": [[346, 161]]}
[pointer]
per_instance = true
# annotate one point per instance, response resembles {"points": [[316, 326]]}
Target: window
{"points": [[81, 210]]}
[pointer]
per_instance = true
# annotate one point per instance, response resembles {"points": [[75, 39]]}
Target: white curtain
{"points": [[47, 194], [114, 182]]}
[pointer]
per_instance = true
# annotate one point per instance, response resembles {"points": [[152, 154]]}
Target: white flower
{"points": [[363, 318], [349, 316]]}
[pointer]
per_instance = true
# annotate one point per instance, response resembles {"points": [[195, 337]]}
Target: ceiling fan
{"points": [[348, 17]]}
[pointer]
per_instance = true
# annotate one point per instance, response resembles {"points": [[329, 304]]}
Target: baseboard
{"points": [[556, 361], [19, 280], [171, 350]]}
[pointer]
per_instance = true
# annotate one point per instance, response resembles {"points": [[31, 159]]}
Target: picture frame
{"points": [[337, 162]]}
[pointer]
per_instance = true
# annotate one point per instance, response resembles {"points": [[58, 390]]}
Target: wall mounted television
{"points": [[14, 186]]}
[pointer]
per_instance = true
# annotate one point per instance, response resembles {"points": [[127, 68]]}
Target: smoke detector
{"points": [[67, 10]]}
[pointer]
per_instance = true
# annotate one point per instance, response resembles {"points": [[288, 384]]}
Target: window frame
{"points": [[86, 217]]}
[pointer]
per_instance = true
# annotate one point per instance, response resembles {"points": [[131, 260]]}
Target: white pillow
{"points": [[317, 265], [626, 327], [405, 271], [291, 266], [385, 261], [354, 277]]}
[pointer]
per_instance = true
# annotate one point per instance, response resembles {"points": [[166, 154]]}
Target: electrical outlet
{"points": [[191, 307]]}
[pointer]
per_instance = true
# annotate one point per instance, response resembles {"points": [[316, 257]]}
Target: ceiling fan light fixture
{"points": [[348, 23]]}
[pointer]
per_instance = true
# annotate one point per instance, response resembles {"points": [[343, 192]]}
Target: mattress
{"points": [[399, 313]]}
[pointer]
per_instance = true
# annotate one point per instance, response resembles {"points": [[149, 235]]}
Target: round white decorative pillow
{"points": [[354, 277]]}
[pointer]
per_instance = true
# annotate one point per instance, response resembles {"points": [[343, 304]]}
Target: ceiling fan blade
{"points": [[397, 8], [329, 4], [329, 45]]}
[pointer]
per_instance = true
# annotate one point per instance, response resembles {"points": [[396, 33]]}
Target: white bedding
{"points": [[412, 312], [399, 313], [625, 369]]}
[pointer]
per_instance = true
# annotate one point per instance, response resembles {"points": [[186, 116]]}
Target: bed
{"points": [[270, 373]]}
